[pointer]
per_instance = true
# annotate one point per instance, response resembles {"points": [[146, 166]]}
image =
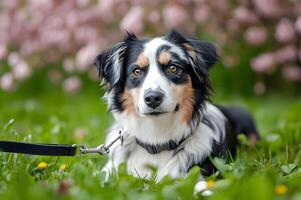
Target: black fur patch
{"points": [[132, 81], [202, 56], [112, 67], [177, 78]]}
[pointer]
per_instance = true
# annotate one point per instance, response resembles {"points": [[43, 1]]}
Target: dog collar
{"points": [[157, 148]]}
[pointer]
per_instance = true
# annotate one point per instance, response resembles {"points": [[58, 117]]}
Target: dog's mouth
{"points": [[157, 113]]}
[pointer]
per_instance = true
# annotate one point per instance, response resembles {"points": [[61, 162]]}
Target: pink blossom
{"points": [[232, 26], [10, 4], [138, 2], [55, 37], [82, 3], [85, 34], [259, 88], [298, 24], [21, 70], [174, 16], [264, 63], [7, 82], [285, 31], [54, 22], [220, 6], [255, 35], [201, 14], [71, 19], [85, 56], [68, 65], [292, 73], [107, 8], [154, 16], [72, 84], [268, 8], [244, 15], [286, 54], [41, 5], [133, 20], [13, 58]]}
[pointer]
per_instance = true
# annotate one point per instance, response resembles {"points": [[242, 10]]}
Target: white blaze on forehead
{"points": [[151, 48], [154, 79]]}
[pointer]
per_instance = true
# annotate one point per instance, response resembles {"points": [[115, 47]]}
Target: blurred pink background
{"points": [[65, 36]]}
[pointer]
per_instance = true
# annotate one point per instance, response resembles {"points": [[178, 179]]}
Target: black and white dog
{"points": [[158, 91]]}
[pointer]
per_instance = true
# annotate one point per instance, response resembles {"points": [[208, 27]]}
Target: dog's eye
{"points": [[173, 69], [137, 72]]}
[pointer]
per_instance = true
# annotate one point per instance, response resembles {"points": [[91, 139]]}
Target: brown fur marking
{"points": [[129, 100], [164, 58], [142, 61], [185, 96]]}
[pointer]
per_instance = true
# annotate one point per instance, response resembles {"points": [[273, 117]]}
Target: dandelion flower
{"points": [[210, 184], [280, 189], [42, 165], [64, 167]]}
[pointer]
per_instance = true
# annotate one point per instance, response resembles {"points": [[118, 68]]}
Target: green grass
{"points": [[52, 117]]}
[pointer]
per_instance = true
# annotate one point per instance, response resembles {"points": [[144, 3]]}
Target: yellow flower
{"points": [[280, 189], [42, 165], [64, 167], [210, 183]]}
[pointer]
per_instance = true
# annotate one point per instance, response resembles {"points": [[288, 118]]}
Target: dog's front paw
{"points": [[172, 169], [105, 176], [107, 171]]}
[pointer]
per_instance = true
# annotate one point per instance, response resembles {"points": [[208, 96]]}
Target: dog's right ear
{"points": [[110, 63]]}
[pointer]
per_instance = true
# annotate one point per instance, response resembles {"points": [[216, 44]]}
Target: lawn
{"points": [[270, 170]]}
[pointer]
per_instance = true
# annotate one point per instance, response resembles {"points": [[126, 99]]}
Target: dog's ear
{"points": [[202, 55], [110, 63]]}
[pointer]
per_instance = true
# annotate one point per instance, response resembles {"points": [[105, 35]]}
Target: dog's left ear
{"points": [[202, 54]]}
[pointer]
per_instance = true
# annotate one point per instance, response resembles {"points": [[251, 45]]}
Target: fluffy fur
{"points": [[158, 91]]}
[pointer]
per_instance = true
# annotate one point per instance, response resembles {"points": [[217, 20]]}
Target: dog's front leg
{"points": [[118, 154]]}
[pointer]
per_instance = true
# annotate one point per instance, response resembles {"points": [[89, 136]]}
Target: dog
{"points": [[158, 91]]}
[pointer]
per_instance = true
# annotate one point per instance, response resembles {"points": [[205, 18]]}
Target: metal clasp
{"points": [[101, 149]]}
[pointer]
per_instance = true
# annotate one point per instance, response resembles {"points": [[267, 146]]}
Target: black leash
{"points": [[38, 149], [55, 149]]}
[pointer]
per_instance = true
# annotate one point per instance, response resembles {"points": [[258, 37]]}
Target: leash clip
{"points": [[101, 149]]}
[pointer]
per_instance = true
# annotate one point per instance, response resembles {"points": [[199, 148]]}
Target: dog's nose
{"points": [[153, 98]]}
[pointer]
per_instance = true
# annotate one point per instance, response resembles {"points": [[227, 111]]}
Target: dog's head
{"points": [[152, 77]]}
